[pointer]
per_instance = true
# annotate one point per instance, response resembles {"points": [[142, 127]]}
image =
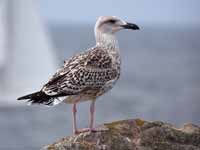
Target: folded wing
{"points": [[89, 70]]}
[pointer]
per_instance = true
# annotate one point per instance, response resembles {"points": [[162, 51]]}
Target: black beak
{"points": [[130, 26]]}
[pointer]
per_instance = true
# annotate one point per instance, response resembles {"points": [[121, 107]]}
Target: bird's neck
{"points": [[106, 40], [110, 43]]}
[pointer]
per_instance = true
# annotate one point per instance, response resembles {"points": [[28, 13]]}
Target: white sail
{"points": [[2, 34], [3, 43], [30, 54]]}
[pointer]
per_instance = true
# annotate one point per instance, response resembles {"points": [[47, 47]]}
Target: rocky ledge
{"points": [[135, 134]]}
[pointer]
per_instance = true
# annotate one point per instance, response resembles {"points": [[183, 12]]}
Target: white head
{"points": [[106, 26], [112, 24]]}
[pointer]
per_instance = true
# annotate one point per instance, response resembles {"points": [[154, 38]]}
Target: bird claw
{"points": [[90, 130], [81, 131], [100, 129]]}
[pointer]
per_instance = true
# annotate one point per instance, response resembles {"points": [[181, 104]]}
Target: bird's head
{"points": [[112, 24]]}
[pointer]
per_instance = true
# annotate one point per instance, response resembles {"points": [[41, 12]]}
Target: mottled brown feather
{"points": [[88, 70]]}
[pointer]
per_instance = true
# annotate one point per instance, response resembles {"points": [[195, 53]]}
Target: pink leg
{"points": [[92, 110], [91, 128], [74, 111], [75, 129]]}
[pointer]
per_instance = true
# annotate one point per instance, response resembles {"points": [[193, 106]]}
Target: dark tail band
{"points": [[42, 98], [38, 98], [29, 96]]}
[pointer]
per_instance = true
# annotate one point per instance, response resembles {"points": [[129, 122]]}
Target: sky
{"points": [[151, 11]]}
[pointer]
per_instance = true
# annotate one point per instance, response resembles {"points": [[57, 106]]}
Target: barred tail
{"points": [[40, 98]]}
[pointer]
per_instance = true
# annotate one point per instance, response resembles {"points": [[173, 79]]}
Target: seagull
{"points": [[87, 75]]}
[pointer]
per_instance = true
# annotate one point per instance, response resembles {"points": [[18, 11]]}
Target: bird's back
{"points": [[90, 69], [89, 74]]}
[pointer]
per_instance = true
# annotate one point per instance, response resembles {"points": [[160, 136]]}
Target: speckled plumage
{"points": [[89, 75]]}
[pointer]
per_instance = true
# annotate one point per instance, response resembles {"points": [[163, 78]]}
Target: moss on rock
{"points": [[134, 134]]}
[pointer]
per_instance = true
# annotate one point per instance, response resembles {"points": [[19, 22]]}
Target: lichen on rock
{"points": [[133, 134]]}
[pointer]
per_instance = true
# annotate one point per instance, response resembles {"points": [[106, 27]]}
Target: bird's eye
{"points": [[112, 21]]}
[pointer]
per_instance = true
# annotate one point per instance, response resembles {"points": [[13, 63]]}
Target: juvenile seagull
{"points": [[87, 75]]}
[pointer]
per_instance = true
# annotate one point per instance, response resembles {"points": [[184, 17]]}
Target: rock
{"points": [[135, 134]]}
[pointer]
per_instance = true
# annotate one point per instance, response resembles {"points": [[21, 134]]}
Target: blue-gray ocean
{"points": [[160, 81]]}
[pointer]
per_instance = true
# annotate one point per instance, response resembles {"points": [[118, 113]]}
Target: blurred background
{"points": [[160, 64]]}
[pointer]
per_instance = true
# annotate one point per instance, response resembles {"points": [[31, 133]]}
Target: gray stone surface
{"points": [[135, 134]]}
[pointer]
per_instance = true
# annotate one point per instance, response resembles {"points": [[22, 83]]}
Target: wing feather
{"points": [[91, 69]]}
